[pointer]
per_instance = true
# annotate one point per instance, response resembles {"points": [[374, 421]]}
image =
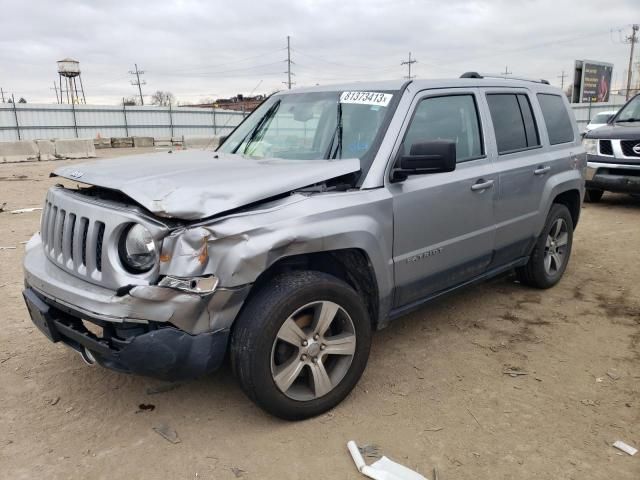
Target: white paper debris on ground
{"points": [[383, 469], [26, 210], [620, 445]]}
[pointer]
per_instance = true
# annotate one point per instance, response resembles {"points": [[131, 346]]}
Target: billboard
{"points": [[592, 81]]}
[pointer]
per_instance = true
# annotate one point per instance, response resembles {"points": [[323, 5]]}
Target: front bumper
{"points": [[165, 353], [150, 330], [614, 177]]}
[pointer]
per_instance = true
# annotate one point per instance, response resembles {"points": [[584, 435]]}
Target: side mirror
{"points": [[435, 156]]}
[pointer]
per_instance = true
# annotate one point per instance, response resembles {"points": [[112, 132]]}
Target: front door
{"points": [[443, 222]]}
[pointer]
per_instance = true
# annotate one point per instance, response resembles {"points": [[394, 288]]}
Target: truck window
{"points": [[513, 122], [453, 117], [556, 118]]}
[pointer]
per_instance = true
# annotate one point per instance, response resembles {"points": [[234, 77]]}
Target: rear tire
{"points": [[301, 344], [551, 252], [593, 195]]}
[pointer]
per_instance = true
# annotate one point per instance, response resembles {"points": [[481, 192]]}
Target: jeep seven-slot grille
{"points": [[627, 148], [605, 147], [72, 240]]}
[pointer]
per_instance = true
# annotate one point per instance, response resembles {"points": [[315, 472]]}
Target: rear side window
{"points": [[513, 122], [453, 117], [556, 118]]}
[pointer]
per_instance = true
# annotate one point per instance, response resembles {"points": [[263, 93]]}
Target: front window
{"points": [[630, 112], [313, 126]]}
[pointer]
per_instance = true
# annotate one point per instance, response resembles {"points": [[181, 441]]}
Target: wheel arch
{"points": [[352, 265]]}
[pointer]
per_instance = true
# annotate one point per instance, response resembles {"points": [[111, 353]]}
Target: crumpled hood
{"points": [[194, 184]]}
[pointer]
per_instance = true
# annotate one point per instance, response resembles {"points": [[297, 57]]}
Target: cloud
{"points": [[199, 49]]}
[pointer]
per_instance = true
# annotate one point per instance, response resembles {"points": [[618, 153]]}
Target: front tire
{"points": [[301, 344], [551, 252]]}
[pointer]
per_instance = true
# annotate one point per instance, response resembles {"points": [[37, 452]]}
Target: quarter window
{"points": [[453, 117], [556, 118], [513, 122]]}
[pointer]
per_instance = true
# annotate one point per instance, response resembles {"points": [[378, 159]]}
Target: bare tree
{"points": [[129, 102], [163, 99], [22, 100]]}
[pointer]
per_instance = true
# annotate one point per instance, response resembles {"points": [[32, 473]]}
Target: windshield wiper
{"points": [[337, 133], [258, 128], [628, 120]]}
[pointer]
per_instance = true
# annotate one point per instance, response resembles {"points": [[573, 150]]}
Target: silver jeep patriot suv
{"points": [[329, 212]]}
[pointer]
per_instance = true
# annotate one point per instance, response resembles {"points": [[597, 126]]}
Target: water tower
{"points": [[69, 69]]}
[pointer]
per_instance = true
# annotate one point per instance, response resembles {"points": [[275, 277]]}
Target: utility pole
{"points": [[137, 82], [632, 39], [55, 87], [507, 72], [408, 63], [288, 83], [562, 77], [2, 93]]}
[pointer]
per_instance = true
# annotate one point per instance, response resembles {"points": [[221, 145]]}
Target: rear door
{"points": [[443, 222], [523, 165]]}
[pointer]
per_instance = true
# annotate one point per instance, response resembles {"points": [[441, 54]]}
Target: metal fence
{"points": [[584, 112], [39, 121]]}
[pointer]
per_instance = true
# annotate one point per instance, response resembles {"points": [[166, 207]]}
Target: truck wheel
{"points": [[551, 252], [593, 195], [301, 344]]}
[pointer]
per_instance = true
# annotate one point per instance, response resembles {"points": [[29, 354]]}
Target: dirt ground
{"points": [[435, 393]]}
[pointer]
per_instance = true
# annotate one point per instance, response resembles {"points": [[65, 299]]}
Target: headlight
{"points": [[137, 249], [590, 145]]}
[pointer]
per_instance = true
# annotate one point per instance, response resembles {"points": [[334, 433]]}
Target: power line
{"points": [[408, 63], [562, 77], [288, 83], [632, 39], [137, 82]]}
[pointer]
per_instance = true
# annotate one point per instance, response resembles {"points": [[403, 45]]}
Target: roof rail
{"points": [[489, 75]]}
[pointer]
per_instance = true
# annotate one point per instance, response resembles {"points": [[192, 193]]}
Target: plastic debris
{"points": [[162, 388], [383, 469], [7, 248], [166, 432], [26, 210], [620, 445]]}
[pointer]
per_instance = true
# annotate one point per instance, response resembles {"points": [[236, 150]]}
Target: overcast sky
{"points": [[207, 49]]}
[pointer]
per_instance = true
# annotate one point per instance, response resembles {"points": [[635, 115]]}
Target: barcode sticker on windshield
{"points": [[366, 98]]}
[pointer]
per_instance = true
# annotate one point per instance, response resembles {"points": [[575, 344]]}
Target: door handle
{"points": [[482, 185], [542, 170]]}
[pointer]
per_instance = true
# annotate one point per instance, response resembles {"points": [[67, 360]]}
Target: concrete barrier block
{"points": [[162, 141], [102, 142], [177, 140], [209, 143], [75, 148], [139, 142], [122, 142], [46, 150], [20, 151]]}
